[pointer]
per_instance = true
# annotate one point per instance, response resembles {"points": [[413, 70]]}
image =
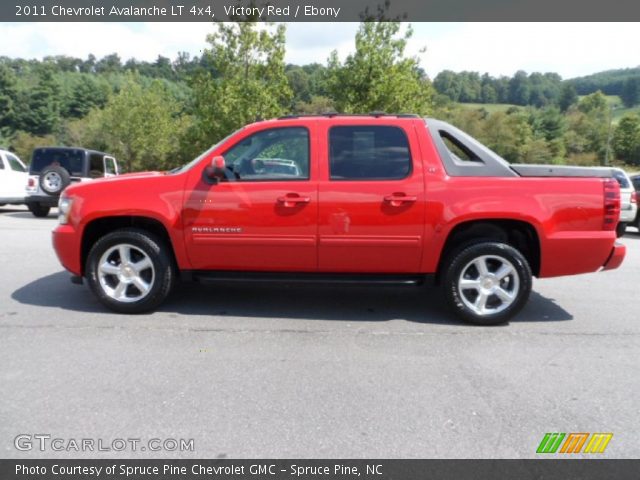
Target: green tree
{"points": [[8, 94], [568, 97], [81, 93], [593, 103], [316, 105], [630, 94], [39, 111], [626, 139], [519, 89], [378, 76], [251, 82], [141, 126]]}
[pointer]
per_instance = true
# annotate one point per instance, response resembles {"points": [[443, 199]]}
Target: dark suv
{"points": [[53, 169]]}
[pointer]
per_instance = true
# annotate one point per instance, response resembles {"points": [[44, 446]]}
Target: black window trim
{"points": [[255, 132], [368, 125]]}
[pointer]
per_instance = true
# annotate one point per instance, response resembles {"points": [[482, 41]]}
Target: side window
{"points": [[1, 163], [275, 154], [15, 164], [457, 149], [368, 153], [96, 165], [110, 166]]}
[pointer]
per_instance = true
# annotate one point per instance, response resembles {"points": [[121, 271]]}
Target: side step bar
{"points": [[306, 278]]}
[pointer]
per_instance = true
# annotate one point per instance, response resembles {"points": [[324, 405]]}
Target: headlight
{"points": [[64, 209]]}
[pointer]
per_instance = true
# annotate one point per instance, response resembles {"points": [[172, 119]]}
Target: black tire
{"points": [[467, 302], [53, 180], [38, 210], [621, 229], [145, 243]]}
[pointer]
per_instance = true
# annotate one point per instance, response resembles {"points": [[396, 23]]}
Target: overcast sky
{"points": [[570, 49]]}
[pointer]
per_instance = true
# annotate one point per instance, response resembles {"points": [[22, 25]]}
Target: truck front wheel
{"points": [[130, 271], [487, 283]]}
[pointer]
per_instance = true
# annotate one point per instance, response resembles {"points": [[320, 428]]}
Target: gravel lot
{"points": [[305, 371]]}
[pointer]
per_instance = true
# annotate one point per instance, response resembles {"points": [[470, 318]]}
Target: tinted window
{"points": [[1, 163], [71, 160], [276, 154], [368, 153], [457, 149], [15, 164], [96, 165], [636, 182]]}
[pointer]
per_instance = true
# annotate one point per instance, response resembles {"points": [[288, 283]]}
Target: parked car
{"points": [[628, 200], [53, 169], [13, 177], [379, 198], [635, 181]]}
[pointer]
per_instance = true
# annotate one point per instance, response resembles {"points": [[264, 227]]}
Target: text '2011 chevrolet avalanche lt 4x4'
{"points": [[387, 198]]}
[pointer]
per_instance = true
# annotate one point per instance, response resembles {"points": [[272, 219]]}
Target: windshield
{"points": [[71, 160], [197, 160]]}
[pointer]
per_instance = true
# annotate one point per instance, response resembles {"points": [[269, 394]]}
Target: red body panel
{"points": [[320, 225]]}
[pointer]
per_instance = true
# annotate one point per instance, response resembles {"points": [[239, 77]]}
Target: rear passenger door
{"points": [[371, 217]]}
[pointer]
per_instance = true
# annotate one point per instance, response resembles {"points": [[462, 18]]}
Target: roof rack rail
{"points": [[336, 114]]}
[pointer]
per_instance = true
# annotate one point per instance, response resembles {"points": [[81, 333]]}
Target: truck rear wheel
{"points": [[487, 283], [130, 271]]}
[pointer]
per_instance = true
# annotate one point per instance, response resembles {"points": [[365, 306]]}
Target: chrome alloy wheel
{"points": [[126, 273], [488, 284], [53, 181]]}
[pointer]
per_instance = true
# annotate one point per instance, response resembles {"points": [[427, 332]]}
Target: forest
{"points": [[158, 115]]}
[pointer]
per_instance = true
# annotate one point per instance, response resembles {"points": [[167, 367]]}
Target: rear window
{"points": [[71, 160], [15, 164]]}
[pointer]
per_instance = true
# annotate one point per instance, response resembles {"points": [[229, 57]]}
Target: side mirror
{"points": [[215, 172]]}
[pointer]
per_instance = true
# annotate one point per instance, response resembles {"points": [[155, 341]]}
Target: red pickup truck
{"points": [[368, 198]]}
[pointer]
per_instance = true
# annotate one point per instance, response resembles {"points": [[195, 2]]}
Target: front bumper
{"points": [[616, 257], [66, 243]]}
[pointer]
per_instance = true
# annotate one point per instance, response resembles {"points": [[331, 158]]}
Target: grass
{"points": [[489, 107], [619, 110]]}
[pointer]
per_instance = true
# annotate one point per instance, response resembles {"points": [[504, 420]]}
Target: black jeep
{"points": [[52, 169]]}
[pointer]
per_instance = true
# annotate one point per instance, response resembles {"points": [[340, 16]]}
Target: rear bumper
{"points": [[573, 253], [12, 200], [46, 200], [617, 256], [628, 215]]}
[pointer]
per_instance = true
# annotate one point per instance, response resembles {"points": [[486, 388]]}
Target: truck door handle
{"points": [[292, 199], [398, 199]]}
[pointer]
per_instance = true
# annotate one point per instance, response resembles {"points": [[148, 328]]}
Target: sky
{"points": [[570, 49]]}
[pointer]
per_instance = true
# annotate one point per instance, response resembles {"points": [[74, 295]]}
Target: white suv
{"points": [[628, 200], [13, 179]]}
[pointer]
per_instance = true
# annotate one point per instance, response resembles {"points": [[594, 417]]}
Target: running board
{"points": [[307, 278]]}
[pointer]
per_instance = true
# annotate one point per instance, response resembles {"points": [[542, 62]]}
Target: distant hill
{"points": [[610, 82]]}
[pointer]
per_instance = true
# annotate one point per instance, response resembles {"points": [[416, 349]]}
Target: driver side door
{"points": [[263, 216]]}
